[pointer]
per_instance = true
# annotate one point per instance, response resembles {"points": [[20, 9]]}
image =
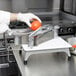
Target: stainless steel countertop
{"points": [[54, 64]]}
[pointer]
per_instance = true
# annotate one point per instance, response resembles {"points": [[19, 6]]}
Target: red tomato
{"points": [[35, 25]]}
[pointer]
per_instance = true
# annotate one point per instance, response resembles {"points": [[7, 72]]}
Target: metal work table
{"points": [[19, 60]]}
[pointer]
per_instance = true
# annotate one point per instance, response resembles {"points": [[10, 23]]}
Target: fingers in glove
{"points": [[28, 23], [34, 17], [38, 19]]}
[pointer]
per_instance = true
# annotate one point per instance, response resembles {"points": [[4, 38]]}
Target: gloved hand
{"points": [[4, 28], [27, 17]]}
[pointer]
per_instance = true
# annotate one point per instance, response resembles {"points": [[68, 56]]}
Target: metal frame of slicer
{"points": [[42, 30]]}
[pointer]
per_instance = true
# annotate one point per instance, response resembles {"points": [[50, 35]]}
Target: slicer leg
{"points": [[20, 52], [25, 62], [69, 55], [68, 52], [26, 57]]}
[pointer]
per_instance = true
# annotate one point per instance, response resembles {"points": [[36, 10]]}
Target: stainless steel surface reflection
{"points": [[50, 65], [58, 19]]}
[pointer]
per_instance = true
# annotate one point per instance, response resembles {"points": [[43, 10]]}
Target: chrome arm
{"points": [[41, 30]]}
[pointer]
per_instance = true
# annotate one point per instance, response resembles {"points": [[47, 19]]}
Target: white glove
{"points": [[27, 17], [4, 28], [4, 17]]}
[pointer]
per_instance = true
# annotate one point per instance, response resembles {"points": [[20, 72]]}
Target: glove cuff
{"points": [[5, 17]]}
